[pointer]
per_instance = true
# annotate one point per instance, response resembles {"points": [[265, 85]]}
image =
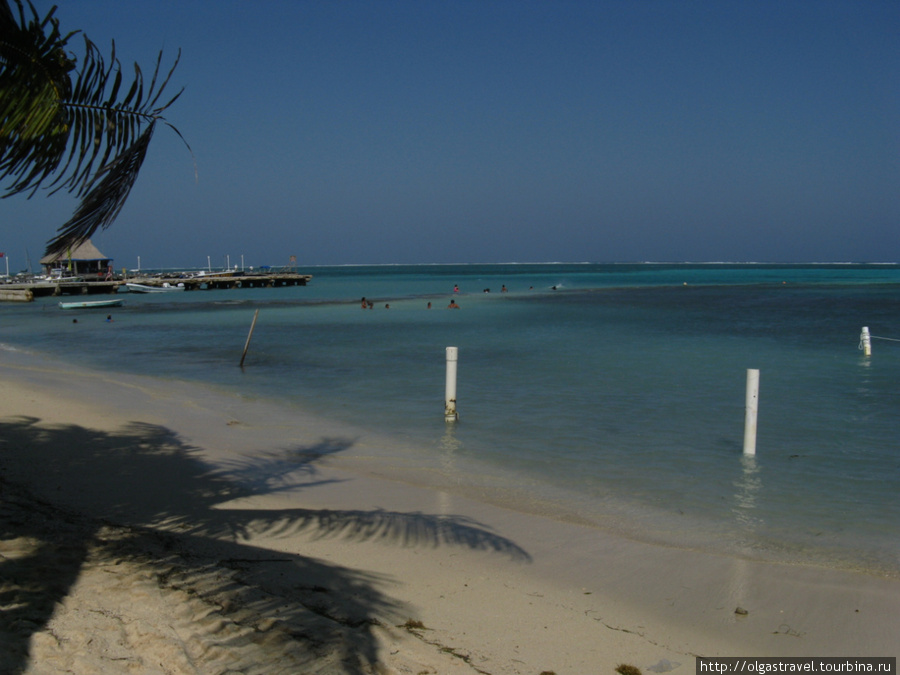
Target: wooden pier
{"points": [[26, 292], [224, 281], [42, 289]]}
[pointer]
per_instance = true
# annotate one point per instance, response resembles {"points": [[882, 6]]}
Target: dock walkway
{"points": [[26, 292], [223, 281]]}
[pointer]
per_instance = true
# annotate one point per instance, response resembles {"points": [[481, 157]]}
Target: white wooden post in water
{"points": [[865, 341], [450, 414], [751, 411]]}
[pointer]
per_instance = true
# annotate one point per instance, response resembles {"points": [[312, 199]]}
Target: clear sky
{"points": [[417, 131]]}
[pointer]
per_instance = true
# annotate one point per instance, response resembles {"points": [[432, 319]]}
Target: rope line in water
{"points": [[860, 346]]}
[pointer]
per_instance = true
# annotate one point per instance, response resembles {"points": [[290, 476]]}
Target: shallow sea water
{"points": [[616, 397]]}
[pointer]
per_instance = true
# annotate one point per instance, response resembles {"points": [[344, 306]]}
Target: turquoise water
{"points": [[620, 392]]}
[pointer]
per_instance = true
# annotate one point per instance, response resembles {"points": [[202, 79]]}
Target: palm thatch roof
{"points": [[84, 251]]}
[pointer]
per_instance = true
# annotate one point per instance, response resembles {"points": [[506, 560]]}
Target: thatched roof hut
{"points": [[83, 259]]}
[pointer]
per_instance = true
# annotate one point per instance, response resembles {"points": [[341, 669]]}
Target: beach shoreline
{"points": [[234, 532]]}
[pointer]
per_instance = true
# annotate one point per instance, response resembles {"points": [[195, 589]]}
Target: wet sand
{"points": [[152, 526]]}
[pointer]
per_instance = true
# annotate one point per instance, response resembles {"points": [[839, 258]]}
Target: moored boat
{"points": [[145, 288], [89, 304]]}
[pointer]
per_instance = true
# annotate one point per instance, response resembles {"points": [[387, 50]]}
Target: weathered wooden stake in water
{"points": [[249, 335], [751, 412], [865, 341], [450, 414]]}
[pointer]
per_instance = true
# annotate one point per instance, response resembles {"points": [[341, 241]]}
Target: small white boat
{"points": [[89, 304], [144, 288]]}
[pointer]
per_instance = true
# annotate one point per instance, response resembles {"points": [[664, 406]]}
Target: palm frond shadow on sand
{"points": [[81, 496]]}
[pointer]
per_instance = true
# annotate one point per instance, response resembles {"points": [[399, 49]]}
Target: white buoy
{"points": [[865, 341], [450, 414], [751, 411]]}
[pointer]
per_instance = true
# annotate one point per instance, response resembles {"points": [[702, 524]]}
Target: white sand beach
{"points": [[152, 527]]}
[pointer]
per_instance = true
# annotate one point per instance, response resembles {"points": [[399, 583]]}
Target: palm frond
{"points": [[34, 81], [103, 203], [87, 134]]}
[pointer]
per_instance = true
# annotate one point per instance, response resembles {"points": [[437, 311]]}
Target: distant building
{"points": [[84, 260]]}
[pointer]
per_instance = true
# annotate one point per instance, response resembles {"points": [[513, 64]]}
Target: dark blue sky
{"points": [[495, 131]]}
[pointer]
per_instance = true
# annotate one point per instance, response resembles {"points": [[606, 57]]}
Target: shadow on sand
{"points": [[141, 495]]}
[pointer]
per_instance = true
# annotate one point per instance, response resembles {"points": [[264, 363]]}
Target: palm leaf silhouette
{"points": [[73, 127]]}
